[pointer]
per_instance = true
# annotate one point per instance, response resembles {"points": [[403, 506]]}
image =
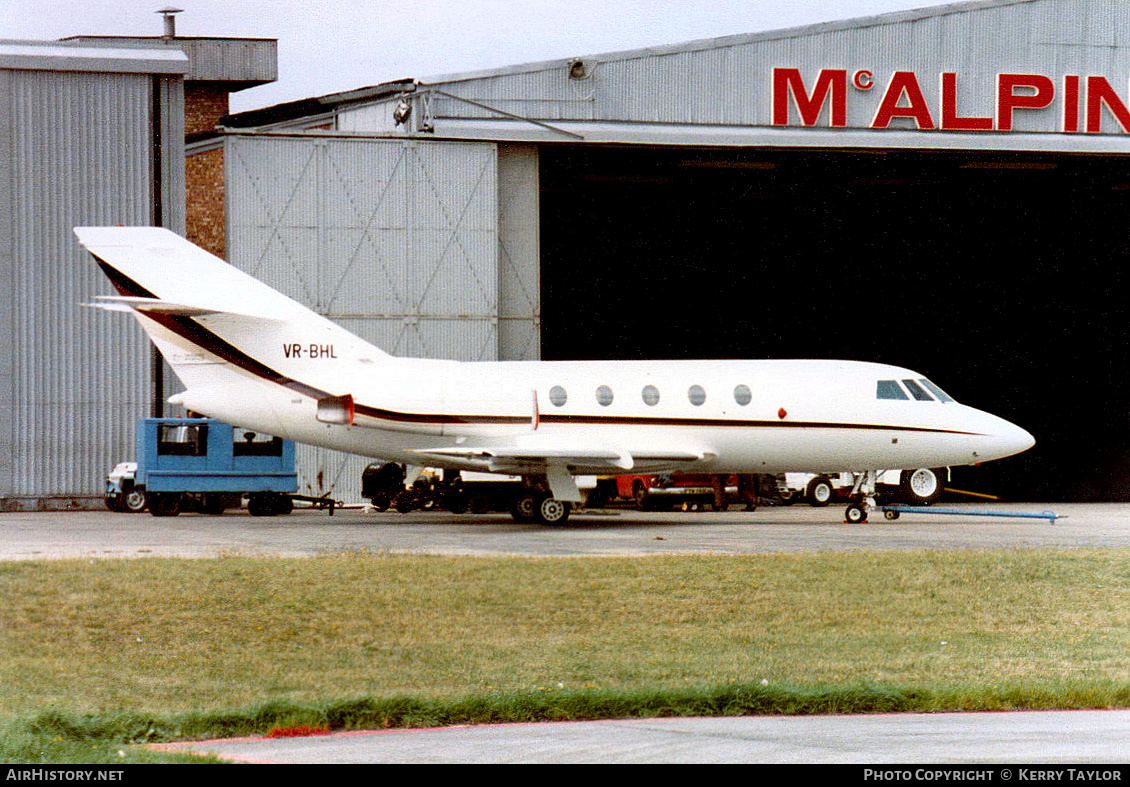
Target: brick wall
{"points": [[204, 180], [204, 104]]}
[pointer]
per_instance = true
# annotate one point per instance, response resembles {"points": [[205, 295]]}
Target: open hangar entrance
{"points": [[1001, 276]]}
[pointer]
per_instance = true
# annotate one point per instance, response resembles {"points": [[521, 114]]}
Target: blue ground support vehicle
{"points": [[207, 465]]}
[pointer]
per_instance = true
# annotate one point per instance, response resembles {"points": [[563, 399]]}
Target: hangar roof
{"points": [[74, 56], [240, 62], [703, 44], [1024, 74]]}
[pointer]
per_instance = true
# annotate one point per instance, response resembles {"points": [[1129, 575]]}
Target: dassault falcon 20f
{"points": [[249, 355]]}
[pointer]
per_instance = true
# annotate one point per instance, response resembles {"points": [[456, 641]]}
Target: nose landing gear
{"points": [[862, 498]]}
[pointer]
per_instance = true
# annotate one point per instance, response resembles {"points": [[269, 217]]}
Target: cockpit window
{"points": [[917, 391], [889, 389], [938, 392]]}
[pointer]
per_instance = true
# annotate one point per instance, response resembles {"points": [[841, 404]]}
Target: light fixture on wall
{"points": [[402, 112], [578, 69]]}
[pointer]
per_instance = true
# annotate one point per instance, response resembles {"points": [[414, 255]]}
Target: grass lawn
{"points": [[100, 653]]}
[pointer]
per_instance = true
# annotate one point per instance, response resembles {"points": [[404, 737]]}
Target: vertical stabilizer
{"points": [[214, 324]]}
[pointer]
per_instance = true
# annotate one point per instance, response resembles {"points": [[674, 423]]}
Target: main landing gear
{"points": [[535, 505], [862, 498]]}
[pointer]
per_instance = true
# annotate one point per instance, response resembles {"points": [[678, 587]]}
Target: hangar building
{"points": [[88, 135], [92, 132], [945, 189]]}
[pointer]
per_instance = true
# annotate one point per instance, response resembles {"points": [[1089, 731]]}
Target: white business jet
{"points": [[249, 355]]}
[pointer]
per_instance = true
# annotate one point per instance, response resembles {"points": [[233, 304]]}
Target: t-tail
{"points": [[231, 339]]}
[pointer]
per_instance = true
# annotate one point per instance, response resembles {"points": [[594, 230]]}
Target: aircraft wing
{"points": [[511, 459], [560, 462]]}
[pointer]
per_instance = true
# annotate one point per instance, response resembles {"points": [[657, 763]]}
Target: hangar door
{"points": [[394, 240], [1000, 276]]}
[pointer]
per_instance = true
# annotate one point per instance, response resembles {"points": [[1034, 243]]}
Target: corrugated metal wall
{"points": [[73, 381], [519, 253], [726, 81], [395, 240]]}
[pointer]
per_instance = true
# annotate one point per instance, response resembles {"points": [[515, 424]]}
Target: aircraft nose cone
{"points": [[1009, 439]]}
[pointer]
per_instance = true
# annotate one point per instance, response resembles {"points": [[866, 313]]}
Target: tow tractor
{"points": [[201, 464]]}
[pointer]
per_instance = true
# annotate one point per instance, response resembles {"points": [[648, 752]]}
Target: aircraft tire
{"points": [[553, 512], [855, 514], [525, 507]]}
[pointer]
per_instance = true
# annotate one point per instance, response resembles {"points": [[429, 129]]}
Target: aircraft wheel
{"points": [[855, 514], [819, 492], [552, 512], [525, 507]]}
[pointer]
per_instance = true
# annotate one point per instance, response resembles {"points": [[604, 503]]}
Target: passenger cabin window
{"points": [[182, 439], [890, 389], [650, 395], [917, 391], [557, 396], [742, 395], [697, 395], [604, 396]]}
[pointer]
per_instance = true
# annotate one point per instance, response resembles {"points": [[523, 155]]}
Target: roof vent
{"points": [[170, 15]]}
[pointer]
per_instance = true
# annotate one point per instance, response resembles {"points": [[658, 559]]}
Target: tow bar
{"points": [[893, 512]]}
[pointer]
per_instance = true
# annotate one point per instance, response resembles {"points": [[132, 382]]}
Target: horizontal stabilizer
{"points": [[127, 303]]}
